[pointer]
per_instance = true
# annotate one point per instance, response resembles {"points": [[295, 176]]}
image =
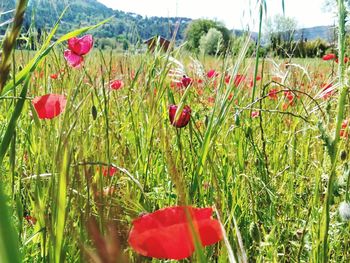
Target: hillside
{"points": [[132, 27], [312, 33], [124, 27]]}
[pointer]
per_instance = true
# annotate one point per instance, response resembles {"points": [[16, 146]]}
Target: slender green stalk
{"points": [[333, 147], [261, 11], [10, 131]]}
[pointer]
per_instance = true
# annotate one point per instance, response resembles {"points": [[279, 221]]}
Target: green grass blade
{"points": [[6, 140], [9, 249], [60, 216]]}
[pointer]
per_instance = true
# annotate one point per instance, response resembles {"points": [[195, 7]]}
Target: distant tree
{"points": [[280, 27], [198, 28], [279, 33], [211, 42]]}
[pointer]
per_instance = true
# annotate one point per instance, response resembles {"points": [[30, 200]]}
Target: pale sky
{"points": [[235, 14]]}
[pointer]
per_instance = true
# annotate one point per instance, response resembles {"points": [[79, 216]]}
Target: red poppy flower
{"points": [[255, 114], [116, 84], [54, 76], [186, 81], [73, 59], [112, 170], [80, 46], [49, 105], [290, 96], [227, 79], [238, 80], [77, 48], [251, 83], [329, 56], [212, 73], [166, 233], [183, 118], [273, 94], [346, 60]]}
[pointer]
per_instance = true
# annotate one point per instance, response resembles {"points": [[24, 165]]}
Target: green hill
{"points": [[42, 14]]}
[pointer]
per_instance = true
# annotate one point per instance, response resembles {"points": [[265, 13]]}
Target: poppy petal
{"points": [[49, 105], [329, 57], [73, 59], [149, 232], [116, 84], [81, 46], [183, 118]]}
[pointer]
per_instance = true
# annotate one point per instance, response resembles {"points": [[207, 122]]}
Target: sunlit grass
{"points": [[267, 174]]}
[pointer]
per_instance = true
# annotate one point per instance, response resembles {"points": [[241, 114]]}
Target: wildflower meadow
{"points": [[162, 155]]}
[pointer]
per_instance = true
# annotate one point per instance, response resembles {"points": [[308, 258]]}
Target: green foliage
{"points": [[198, 28], [211, 43], [133, 27], [280, 27], [237, 43], [300, 49]]}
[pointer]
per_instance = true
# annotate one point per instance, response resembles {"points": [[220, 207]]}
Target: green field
{"points": [[270, 156]]}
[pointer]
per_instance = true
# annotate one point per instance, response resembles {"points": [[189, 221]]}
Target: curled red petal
{"points": [[73, 59], [81, 46], [49, 105], [172, 225], [183, 118]]}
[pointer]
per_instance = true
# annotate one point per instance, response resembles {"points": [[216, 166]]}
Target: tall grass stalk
{"points": [[262, 6], [333, 144], [9, 42]]}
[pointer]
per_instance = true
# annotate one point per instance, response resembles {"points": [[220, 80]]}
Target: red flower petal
{"points": [[212, 73], [112, 170], [239, 79], [329, 56], [54, 76], [171, 225], [273, 94], [255, 114], [73, 59], [49, 105], [116, 84], [183, 118], [81, 46], [186, 81]]}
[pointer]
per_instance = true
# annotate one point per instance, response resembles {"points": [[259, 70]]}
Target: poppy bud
{"points": [[94, 112], [183, 117], [343, 155]]}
